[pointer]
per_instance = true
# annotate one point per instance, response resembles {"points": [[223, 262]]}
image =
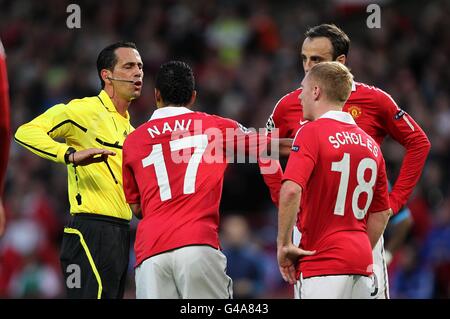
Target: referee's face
{"points": [[128, 67]]}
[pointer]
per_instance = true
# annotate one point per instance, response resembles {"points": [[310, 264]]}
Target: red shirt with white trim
{"points": [[342, 173], [174, 166], [378, 115]]}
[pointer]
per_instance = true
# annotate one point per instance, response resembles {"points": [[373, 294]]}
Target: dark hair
{"points": [[175, 80], [338, 38], [107, 58]]}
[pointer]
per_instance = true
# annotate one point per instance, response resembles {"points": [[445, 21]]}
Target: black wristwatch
{"points": [[69, 151]]}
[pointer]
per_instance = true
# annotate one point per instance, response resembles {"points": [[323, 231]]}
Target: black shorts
{"points": [[94, 256]]}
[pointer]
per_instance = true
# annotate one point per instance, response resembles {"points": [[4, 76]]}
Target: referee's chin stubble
{"points": [[130, 92]]}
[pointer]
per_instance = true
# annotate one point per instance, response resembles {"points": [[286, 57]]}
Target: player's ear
{"points": [[106, 74], [316, 92], [193, 98], [341, 59], [158, 99]]}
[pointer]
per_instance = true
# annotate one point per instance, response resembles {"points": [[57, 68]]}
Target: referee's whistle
{"points": [[78, 198]]}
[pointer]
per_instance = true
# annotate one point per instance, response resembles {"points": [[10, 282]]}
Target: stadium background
{"points": [[245, 57]]}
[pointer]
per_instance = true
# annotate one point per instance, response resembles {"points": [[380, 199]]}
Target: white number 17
{"points": [[156, 157]]}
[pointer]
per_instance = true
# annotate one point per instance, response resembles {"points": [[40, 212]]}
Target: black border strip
{"points": [[101, 101], [116, 145], [68, 121], [34, 148]]}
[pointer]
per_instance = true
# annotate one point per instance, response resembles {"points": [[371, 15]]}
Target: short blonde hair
{"points": [[334, 79]]}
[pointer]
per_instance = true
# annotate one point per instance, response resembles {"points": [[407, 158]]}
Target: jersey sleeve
{"points": [[272, 175], [380, 200], [402, 128], [277, 120], [58, 121], [303, 157], [240, 141], [130, 186], [4, 119]]}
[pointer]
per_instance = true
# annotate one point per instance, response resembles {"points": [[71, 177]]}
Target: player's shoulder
{"points": [[85, 104], [310, 128], [218, 120], [369, 91], [288, 99], [206, 115], [291, 95], [209, 120]]}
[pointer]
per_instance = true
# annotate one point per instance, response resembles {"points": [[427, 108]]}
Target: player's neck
{"points": [[324, 108], [160, 106]]}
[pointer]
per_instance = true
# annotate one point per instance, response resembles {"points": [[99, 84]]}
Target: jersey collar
{"points": [[339, 116], [107, 103], [169, 111]]}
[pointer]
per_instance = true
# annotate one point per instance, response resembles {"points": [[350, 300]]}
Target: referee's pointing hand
{"points": [[90, 156]]}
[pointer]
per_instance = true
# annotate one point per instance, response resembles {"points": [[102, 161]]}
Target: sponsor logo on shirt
{"points": [[355, 111], [295, 148], [399, 114]]}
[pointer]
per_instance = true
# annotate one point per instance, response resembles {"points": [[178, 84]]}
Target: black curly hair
{"points": [[175, 80]]}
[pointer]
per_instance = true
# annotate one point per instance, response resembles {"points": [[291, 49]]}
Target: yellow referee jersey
{"points": [[91, 122]]}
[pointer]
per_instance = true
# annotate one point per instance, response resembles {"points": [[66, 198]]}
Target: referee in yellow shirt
{"points": [[95, 247]]}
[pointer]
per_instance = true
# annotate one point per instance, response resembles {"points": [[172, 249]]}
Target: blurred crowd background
{"points": [[245, 55]]}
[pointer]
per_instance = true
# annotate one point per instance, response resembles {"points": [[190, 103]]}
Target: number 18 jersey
{"points": [[342, 173], [174, 165]]}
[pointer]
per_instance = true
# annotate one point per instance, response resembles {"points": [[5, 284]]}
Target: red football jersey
{"points": [[177, 179], [342, 173], [4, 118], [378, 115]]}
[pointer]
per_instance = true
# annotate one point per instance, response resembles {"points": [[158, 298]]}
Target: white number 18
{"points": [[343, 166]]}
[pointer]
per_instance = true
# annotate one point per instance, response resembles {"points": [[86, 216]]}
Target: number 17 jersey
{"points": [[177, 179], [342, 173]]}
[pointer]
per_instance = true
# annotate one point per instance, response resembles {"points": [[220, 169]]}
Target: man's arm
{"points": [[271, 170], [37, 135], [402, 127], [130, 186], [287, 252], [58, 122], [379, 211], [272, 175], [137, 211], [285, 146], [376, 224], [4, 131]]}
